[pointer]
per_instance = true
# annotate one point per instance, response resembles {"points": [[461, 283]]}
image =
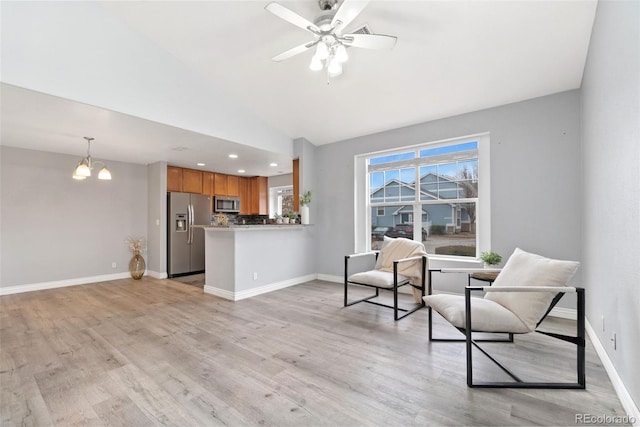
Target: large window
{"points": [[432, 193]]}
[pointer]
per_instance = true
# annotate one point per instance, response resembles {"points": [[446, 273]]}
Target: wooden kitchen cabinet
{"points": [[296, 185], [220, 184], [191, 181], [208, 183], [174, 178], [258, 196], [243, 190], [253, 192], [233, 188]]}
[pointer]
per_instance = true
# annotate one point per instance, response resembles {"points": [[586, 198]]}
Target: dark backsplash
{"points": [[251, 219]]}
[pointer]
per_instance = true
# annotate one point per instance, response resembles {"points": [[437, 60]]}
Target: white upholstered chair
{"points": [[400, 262], [524, 292]]}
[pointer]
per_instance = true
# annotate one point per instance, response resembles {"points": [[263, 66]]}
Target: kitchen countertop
{"points": [[249, 227]]}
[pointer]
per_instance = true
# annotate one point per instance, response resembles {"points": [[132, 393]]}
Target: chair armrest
{"points": [[413, 258], [566, 289], [362, 254], [468, 270]]}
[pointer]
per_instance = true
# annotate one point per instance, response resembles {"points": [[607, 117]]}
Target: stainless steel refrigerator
{"points": [[185, 242]]}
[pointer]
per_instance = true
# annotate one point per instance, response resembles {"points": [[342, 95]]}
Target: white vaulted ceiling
{"points": [[451, 57]]}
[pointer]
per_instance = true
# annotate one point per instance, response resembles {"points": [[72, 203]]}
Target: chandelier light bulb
{"points": [[341, 53], [78, 177], [316, 64], [83, 169], [104, 174]]}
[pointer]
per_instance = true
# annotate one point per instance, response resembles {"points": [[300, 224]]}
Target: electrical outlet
{"points": [[113, 264], [255, 275], [157, 222]]}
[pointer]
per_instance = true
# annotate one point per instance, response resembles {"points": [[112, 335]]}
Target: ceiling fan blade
{"points": [[291, 17], [347, 12], [370, 41], [294, 51]]}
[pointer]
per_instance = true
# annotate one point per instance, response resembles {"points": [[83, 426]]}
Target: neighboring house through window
{"points": [[437, 193]]}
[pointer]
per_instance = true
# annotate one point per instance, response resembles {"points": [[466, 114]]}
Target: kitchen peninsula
{"points": [[247, 260]]}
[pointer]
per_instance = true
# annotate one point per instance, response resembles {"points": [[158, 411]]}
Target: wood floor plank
{"points": [[160, 352]]}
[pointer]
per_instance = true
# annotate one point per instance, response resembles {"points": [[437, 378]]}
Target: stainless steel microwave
{"points": [[226, 204]]}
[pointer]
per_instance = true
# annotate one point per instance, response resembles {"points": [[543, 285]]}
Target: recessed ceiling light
{"points": [[273, 164], [200, 164], [233, 156], [241, 170]]}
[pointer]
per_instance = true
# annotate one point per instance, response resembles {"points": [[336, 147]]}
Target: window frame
{"points": [[363, 207]]}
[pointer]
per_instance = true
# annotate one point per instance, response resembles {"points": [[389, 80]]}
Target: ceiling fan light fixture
{"points": [[316, 64], [335, 67], [322, 51], [341, 53], [330, 38]]}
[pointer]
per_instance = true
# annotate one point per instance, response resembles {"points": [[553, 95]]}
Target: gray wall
{"points": [[611, 207], [157, 220], [55, 228], [535, 179]]}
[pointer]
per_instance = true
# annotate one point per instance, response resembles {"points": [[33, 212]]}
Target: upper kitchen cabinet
{"points": [[174, 178], [208, 187], [259, 196], [220, 184], [243, 189], [184, 180], [253, 192], [233, 185], [191, 181]]}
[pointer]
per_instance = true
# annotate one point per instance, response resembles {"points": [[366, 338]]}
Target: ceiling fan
{"points": [[328, 29]]}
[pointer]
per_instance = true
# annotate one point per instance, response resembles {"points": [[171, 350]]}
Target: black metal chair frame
{"points": [[578, 340], [396, 285]]}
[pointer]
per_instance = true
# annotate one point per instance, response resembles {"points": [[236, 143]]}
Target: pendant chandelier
{"points": [[86, 165]]}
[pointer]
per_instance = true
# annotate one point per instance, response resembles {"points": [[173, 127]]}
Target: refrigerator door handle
{"points": [[190, 223]]}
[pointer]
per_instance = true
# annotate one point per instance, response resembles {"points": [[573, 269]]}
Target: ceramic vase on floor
{"points": [[304, 215], [137, 266]]}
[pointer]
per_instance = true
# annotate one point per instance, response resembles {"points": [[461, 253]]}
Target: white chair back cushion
{"points": [[526, 269]]}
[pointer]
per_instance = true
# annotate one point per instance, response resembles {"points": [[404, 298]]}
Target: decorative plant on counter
{"points": [[137, 265], [292, 216], [491, 258], [305, 199]]}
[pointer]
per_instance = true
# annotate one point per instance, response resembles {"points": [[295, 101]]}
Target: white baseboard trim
{"points": [[157, 275], [330, 278], [236, 296], [62, 283], [623, 394]]}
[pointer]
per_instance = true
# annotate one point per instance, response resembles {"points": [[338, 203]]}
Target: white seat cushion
{"points": [[526, 269], [379, 278], [486, 315]]}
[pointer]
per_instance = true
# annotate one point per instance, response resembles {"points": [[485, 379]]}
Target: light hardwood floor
{"points": [[158, 352]]}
